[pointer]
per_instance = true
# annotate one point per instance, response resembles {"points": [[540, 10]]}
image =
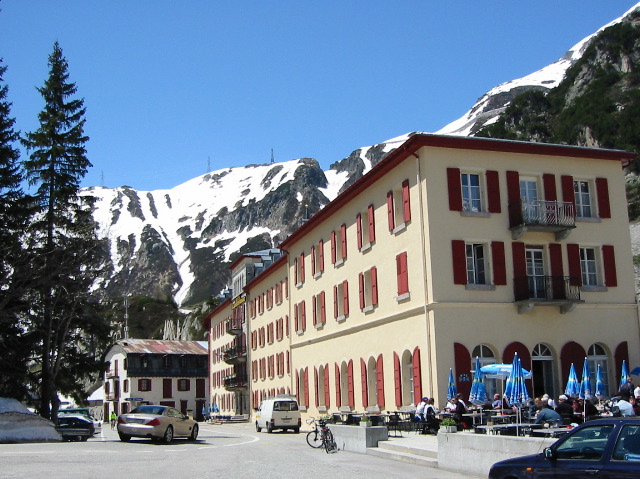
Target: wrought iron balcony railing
{"points": [[234, 355], [554, 216], [563, 291]]}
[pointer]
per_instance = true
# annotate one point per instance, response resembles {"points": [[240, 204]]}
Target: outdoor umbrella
{"points": [[573, 386], [599, 383], [635, 371], [501, 371], [451, 391], [478, 394], [624, 377], [585, 384], [516, 391]]}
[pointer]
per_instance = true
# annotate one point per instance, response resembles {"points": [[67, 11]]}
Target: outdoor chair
{"points": [[393, 424]]}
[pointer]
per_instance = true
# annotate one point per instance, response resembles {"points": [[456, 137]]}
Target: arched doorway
{"points": [[542, 369]]}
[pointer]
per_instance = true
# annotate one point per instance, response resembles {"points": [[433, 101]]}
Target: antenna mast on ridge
{"points": [[272, 159]]}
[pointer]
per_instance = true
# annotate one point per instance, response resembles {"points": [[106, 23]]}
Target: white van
{"points": [[280, 412]]}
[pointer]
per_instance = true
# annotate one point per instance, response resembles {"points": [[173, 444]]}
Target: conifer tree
{"points": [[14, 259], [63, 316]]}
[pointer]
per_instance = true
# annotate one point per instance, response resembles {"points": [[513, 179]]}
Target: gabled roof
{"points": [[420, 140]]}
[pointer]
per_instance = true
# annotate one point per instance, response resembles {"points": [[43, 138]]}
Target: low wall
{"points": [[475, 453], [358, 438]]}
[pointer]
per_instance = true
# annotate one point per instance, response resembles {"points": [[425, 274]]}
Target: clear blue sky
{"points": [[171, 84]]}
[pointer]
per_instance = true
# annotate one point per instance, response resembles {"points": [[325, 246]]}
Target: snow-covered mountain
{"points": [[178, 243]]}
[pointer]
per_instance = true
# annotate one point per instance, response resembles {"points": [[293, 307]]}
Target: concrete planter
{"points": [[357, 439], [365, 423], [448, 429]]}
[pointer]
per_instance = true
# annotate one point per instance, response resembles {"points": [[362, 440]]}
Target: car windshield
{"points": [[157, 410]]}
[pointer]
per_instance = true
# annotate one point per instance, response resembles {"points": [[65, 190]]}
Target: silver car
{"points": [[160, 423]]}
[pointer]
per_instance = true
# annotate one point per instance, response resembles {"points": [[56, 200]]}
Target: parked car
{"points": [[606, 448], [157, 423], [83, 412], [75, 428], [280, 412]]}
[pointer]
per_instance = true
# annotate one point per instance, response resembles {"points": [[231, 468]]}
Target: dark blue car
{"points": [[605, 448]]}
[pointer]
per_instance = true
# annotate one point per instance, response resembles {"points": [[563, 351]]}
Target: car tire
{"points": [[168, 435], [296, 430], [194, 433], [84, 438], [124, 437], [269, 428], [258, 428]]}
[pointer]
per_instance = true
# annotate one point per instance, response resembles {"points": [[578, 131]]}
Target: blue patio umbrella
{"points": [[585, 384], [635, 371], [624, 377], [599, 383], [478, 394], [501, 371], [451, 390], [516, 391], [573, 386]]}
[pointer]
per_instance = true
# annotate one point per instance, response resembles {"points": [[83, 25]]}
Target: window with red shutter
{"points": [[498, 262], [406, 201], [372, 223], [327, 395], [343, 241], [359, 230], [380, 382], [602, 190], [454, 188], [402, 273], [321, 255], [417, 376], [459, 260], [390, 211], [334, 251], [609, 260], [351, 394], [363, 383], [397, 379], [493, 192]]}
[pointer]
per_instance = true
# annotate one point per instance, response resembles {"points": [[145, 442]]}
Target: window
{"points": [[126, 386], [471, 194], [399, 207], [582, 193], [317, 259], [476, 264], [299, 317], [319, 312], [368, 282], [184, 385], [588, 266], [166, 361], [467, 191], [144, 384], [299, 269], [341, 301], [339, 245], [366, 228]]}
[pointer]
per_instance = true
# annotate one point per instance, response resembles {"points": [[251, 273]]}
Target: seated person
{"points": [[565, 409], [432, 423], [497, 402], [546, 415]]}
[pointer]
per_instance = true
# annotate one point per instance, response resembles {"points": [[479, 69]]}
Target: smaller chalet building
{"points": [[149, 371]]}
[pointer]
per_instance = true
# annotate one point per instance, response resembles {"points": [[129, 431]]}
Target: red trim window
{"points": [[399, 207], [366, 228], [402, 273], [184, 385], [341, 301], [368, 289]]}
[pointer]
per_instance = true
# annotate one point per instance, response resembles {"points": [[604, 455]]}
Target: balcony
{"points": [[547, 216], [235, 355], [235, 326], [235, 382], [562, 291]]}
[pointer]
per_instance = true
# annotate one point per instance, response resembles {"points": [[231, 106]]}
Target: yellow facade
{"points": [[432, 237]]}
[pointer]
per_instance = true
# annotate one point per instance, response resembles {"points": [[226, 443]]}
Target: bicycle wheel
{"points": [[329, 444], [314, 439]]}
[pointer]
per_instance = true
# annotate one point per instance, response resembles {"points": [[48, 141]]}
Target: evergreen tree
{"points": [[14, 259], [63, 317]]}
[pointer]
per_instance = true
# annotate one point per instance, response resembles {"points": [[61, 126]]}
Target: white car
{"points": [[159, 423]]}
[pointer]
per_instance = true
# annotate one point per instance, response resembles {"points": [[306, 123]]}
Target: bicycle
{"points": [[322, 436]]}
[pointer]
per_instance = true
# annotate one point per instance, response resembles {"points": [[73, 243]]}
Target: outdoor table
{"points": [[502, 418], [519, 428], [476, 417]]}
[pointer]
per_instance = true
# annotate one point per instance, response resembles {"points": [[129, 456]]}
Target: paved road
{"points": [[222, 451]]}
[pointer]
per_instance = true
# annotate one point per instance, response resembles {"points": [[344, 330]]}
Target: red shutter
{"points": [[390, 211], [321, 255], [296, 317], [417, 376], [363, 383], [352, 401], [359, 230], [295, 271], [493, 194], [315, 385], [345, 297], [575, 270], [314, 308], [520, 286], [549, 183], [372, 224], [327, 395], [380, 381], [313, 260], [557, 271], [338, 392], [361, 289], [343, 234], [568, 193], [455, 189], [302, 267], [602, 189], [498, 262], [406, 201], [306, 387], [333, 248], [303, 319], [402, 273], [459, 258], [335, 301], [374, 285], [323, 309], [609, 260], [397, 379], [513, 196], [166, 388]]}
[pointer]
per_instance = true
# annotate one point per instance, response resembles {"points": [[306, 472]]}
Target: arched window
{"points": [[597, 356], [543, 371], [486, 355]]}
